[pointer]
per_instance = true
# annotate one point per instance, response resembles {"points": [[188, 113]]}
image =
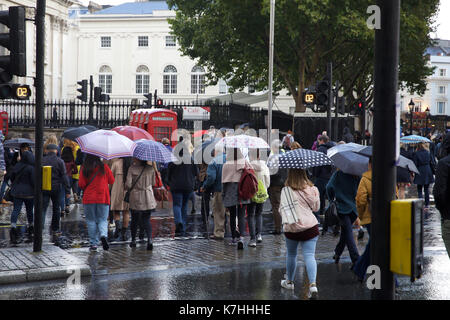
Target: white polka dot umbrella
{"points": [[300, 159]]}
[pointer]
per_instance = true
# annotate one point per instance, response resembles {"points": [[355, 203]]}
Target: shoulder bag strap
{"points": [[132, 187], [299, 192], [92, 179]]}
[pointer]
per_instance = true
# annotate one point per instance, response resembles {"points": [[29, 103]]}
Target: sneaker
{"points": [[287, 284], [133, 244], [240, 244], [313, 293], [149, 246], [258, 238], [67, 210], [104, 243], [93, 248], [252, 243]]}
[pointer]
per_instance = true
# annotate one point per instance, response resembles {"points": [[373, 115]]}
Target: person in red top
{"points": [[95, 177]]}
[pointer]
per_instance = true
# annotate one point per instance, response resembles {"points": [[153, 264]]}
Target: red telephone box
{"points": [[4, 122], [160, 123]]}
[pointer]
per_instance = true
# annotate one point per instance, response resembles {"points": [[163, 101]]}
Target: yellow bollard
{"points": [[47, 178]]}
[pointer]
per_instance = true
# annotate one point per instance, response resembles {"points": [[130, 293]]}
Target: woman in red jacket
{"points": [[94, 179]]}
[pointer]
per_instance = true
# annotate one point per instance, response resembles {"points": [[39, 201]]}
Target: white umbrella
{"points": [[106, 144], [243, 141]]}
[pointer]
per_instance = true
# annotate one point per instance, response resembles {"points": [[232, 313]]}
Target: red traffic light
{"points": [[159, 102], [360, 105]]}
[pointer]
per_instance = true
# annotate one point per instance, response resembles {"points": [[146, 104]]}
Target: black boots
{"points": [[124, 236], [117, 231], [30, 232], [14, 235]]}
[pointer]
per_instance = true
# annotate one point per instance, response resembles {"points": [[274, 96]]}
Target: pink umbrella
{"points": [[133, 133], [199, 133]]}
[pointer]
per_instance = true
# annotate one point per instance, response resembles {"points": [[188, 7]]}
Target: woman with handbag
{"points": [[423, 161], [299, 200], [119, 168], [139, 195], [95, 178]]}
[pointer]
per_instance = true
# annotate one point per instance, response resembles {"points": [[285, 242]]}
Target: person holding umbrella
{"points": [[94, 180], [422, 159], [343, 187]]}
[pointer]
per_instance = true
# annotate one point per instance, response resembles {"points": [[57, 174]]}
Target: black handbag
{"points": [[7, 196], [331, 214], [127, 194]]}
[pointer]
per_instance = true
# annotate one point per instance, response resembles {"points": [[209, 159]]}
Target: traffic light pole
{"points": [[39, 131], [385, 143], [330, 96], [336, 113], [91, 100]]}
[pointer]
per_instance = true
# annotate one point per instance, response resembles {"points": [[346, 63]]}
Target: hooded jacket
{"points": [[364, 197], [323, 172], [343, 187], [22, 177], [441, 190], [59, 177]]}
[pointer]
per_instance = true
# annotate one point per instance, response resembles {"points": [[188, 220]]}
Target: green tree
{"points": [[231, 39]]}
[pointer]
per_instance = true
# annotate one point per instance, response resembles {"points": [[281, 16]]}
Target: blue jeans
{"points": [[29, 203], [346, 238], [364, 260], [55, 196], [308, 251], [180, 201], [97, 221]]}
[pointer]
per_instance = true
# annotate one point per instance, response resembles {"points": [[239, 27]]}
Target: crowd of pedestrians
{"points": [[122, 191]]}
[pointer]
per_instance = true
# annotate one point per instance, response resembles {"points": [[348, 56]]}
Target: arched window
{"points": [[105, 79], [198, 80], [170, 80], [142, 80]]}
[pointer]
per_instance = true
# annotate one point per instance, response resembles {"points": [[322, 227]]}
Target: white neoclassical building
{"points": [[129, 52], [56, 44]]}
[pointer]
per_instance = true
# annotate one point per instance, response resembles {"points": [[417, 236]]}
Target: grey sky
{"points": [[442, 21]]}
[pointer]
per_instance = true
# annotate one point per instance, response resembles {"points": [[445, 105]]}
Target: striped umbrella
{"points": [[106, 144], [412, 139], [152, 151]]}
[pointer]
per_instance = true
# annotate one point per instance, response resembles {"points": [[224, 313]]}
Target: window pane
{"points": [[166, 84], [193, 83], [174, 83], [138, 83], [170, 41], [108, 83], [105, 42], [201, 83], [146, 83], [143, 41]]}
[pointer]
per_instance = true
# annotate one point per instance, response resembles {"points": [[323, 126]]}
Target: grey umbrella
{"points": [[15, 143], [347, 160], [402, 162]]}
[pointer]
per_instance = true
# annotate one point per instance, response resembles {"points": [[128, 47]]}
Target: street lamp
{"points": [[411, 105], [427, 111]]}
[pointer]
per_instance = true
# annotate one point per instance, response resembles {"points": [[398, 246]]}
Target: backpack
{"points": [[248, 184], [261, 195]]}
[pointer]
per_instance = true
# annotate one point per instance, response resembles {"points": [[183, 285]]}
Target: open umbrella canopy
{"points": [[15, 143], [75, 132], [133, 133], [152, 151], [402, 162], [414, 139], [106, 144], [199, 133], [345, 158], [244, 141], [299, 159]]}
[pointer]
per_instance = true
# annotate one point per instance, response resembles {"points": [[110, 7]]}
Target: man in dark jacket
{"points": [[441, 191], [322, 175], [59, 181], [347, 137], [181, 180], [22, 191]]}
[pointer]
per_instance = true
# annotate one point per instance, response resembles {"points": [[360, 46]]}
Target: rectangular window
{"points": [[162, 132], [142, 83], [194, 84], [170, 41], [170, 83], [441, 89], [441, 107], [105, 42], [442, 72], [105, 82], [142, 41]]}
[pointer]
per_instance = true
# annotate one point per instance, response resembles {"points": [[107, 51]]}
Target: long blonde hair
{"points": [[50, 140], [298, 179], [424, 146]]}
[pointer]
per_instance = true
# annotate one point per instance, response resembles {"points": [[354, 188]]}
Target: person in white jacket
{"points": [[254, 209]]}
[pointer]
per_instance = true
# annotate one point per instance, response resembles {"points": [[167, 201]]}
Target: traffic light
{"points": [[14, 40], [14, 91], [83, 90], [159, 102], [341, 105], [322, 97], [99, 96], [148, 102]]}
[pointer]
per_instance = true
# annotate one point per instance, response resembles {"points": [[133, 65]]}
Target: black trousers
{"points": [[55, 196], [141, 218]]}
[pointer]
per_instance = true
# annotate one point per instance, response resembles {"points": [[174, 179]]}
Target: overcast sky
{"points": [[443, 19]]}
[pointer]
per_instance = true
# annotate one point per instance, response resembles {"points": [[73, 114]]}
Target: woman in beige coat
{"points": [[119, 168], [140, 180]]}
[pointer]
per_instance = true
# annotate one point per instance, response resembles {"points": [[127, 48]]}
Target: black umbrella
{"points": [[75, 132], [300, 159], [402, 162], [15, 143]]}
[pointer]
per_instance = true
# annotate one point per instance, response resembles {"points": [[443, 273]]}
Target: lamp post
{"points": [[411, 105], [427, 111]]}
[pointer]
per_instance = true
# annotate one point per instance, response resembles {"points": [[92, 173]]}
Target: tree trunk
{"points": [[299, 106]]}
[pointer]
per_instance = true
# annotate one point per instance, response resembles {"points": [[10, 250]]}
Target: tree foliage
{"points": [[231, 39]]}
